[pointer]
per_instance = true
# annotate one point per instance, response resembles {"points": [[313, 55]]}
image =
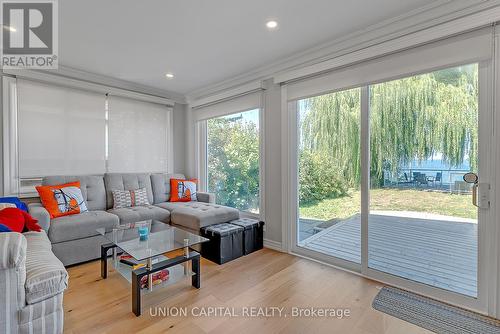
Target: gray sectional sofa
{"points": [[74, 238]]}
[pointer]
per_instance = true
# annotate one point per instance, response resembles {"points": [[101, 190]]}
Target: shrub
{"points": [[319, 177]]}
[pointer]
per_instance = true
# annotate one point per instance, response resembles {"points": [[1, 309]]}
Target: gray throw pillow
{"points": [[129, 198]]}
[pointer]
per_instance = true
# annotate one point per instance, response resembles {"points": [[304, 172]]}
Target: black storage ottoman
{"points": [[226, 242], [253, 234]]}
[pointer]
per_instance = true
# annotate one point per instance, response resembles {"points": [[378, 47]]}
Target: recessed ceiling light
{"points": [[169, 75], [272, 24], [9, 28]]}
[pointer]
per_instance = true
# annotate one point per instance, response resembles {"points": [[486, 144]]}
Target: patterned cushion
{"points": [[129, 198], [45, 274], [183, 190], [63, 199]]}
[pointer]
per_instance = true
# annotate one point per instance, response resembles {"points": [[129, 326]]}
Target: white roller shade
{"points": [[467, 48], [233, 105], [138, 136], [61, 130]]}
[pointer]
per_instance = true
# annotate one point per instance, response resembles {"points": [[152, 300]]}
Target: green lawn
{"points": [[392, 200]]}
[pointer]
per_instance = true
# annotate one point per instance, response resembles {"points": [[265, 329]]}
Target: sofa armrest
{"points": [[37, 211], [205, 197], [13, 277], [14, 245]]}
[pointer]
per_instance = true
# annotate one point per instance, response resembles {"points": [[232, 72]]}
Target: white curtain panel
{"points": [[139, 136], [61, 130]]}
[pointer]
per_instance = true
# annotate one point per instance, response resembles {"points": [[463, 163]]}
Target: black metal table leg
{"points": [[195, 279], [136, 293], [104, 259]]}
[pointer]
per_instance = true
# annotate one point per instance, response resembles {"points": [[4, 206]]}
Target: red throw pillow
{"points": [[17, 220]]}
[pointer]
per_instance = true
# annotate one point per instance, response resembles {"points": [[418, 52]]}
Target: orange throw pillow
{"points": [[62, 199], [183, 190]]}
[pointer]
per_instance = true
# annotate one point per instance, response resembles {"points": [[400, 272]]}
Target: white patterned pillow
{"points": [[129, 198]]}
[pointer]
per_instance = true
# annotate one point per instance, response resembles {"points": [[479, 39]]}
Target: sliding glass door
{"points": [[423, 225], [392, 181]]}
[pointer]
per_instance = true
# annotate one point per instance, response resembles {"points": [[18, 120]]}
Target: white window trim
{"points": [[170, 139], [10, 145], [85, 85], [201, 154]]}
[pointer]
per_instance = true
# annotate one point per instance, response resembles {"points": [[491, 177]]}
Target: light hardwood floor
{"points": [[263, 279]]}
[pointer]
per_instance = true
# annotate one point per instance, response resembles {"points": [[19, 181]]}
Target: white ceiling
{"points": [[203, 41]]}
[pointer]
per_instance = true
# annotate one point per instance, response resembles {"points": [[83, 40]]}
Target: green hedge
{"points": [[319, 178]]}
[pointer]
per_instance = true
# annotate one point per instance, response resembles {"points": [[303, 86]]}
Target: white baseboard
{"points": [[276, 245]]}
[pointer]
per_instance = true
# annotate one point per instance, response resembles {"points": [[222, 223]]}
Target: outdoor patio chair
{"points": [[435, 179], [421, 179], [415, 176], [404, 179]]}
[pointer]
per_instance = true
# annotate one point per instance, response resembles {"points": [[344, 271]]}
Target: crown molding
{"points": [[52, 78], [432, 15], [67, 72]]}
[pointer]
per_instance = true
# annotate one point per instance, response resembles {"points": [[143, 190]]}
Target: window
{"points": [[54, 129], [60, 132], [233, 160], [138, 136]]}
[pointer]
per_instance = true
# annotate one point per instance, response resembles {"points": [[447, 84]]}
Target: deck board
{"points": [[436, 252]]}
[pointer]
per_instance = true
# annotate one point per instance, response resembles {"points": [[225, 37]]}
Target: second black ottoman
{"points": [[226, 242], [253, 234]]}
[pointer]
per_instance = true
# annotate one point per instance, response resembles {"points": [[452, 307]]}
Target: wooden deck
{"points": [[436, 252]]}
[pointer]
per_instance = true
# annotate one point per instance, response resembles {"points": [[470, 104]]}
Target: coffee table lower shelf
{"points": [[177, 272]]}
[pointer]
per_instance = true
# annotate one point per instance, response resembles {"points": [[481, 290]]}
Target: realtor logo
{"points": [[29, 34]]}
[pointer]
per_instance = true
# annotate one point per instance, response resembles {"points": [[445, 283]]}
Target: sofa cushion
{"points": [[126, 181], [92, 187], [45, 274], [79, 226], [160, 183], [139, 213], [195, 215]]}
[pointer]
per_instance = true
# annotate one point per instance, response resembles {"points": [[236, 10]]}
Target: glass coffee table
{"points": [[144, 265]]}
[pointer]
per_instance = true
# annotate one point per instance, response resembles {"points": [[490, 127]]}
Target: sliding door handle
{"points": [[475, 187]]}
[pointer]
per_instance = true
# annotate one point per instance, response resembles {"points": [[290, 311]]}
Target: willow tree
{"points": [[330, 128], [414, 118]]}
